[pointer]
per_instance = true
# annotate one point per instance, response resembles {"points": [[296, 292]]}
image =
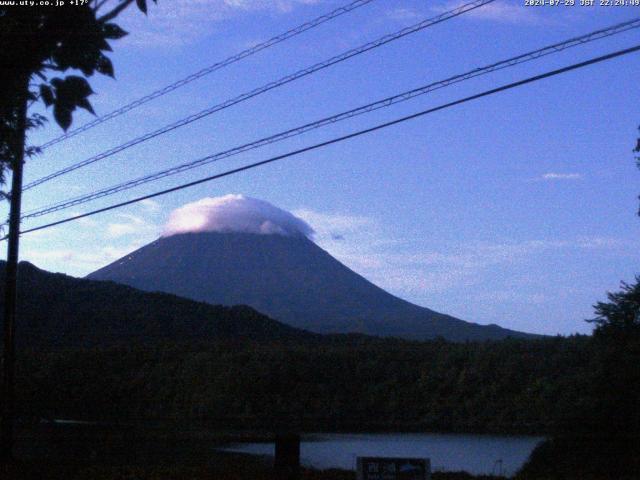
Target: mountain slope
{"points": [[55, 309], [288, 278]]}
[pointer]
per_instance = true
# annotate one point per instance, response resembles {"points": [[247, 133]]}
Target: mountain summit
{"points": [[286, 276]]}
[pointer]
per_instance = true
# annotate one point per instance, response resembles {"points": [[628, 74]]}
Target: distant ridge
{"points": [[58, 310], [288, 278]]}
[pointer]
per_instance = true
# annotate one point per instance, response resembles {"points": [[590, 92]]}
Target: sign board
{"points": [[387, 468]]}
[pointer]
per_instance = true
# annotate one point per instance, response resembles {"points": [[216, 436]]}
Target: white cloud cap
{"points": [[235, 213]]}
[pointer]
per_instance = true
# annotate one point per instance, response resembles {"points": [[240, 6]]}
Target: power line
{"points": [[210, 69], [486, 93], [265, 88], [526, 57]]}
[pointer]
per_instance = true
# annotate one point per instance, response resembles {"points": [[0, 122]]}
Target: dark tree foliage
{"points": [[617, 341], [584, 458], [637, 150], [335, 383], [38, 44], [621, 314]]}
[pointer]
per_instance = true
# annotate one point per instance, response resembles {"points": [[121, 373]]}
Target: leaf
{"points": [[87, 64], [84, 103], [113, 31], [70, 93], [36, 121], [104, 45], [104, 66], [62, 114], [77, 86], [142, 5], [32, 151]]}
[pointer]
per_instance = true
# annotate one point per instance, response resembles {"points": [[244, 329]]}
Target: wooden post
{"points": [[10, 287], [287, 456]]}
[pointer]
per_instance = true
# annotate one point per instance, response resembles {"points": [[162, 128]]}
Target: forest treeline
{"points": [[339, 383]]}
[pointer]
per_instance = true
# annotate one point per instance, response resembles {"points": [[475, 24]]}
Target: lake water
{"points": [[476, 454]]}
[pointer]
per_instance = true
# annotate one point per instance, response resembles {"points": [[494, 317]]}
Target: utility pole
{"points": [[11, 280]]}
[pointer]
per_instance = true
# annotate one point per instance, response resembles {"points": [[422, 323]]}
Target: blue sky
{"points": [[517, 209]]}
